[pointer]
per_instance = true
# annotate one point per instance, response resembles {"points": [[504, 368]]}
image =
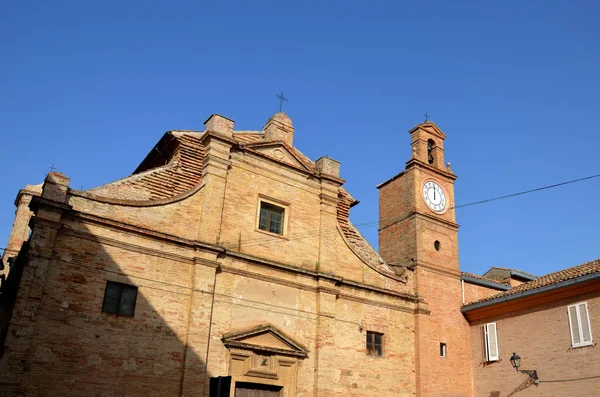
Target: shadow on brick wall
{"points": [[60, 342]]}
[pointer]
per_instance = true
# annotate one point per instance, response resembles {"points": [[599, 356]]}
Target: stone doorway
{"points": [[244, 389], [263, 362]]}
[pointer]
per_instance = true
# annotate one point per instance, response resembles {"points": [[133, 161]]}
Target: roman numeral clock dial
{"points": [[434, 196]]}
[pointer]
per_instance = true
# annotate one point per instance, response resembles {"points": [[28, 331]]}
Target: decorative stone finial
{"points": [[219, 124], [448, 166], [56, 186], [328, 166], [279, 128]]}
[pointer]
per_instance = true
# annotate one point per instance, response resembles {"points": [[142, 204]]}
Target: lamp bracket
{"points": [[531, 372]]}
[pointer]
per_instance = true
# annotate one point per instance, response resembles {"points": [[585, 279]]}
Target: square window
{"points": [[119, 299], [374, 344], [442, 349], [271, 218]]}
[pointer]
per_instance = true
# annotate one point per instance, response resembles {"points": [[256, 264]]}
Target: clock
{"points": [[434, 196]]}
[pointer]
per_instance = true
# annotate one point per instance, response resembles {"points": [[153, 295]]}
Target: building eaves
{"points": [[562, 278], [515, 272], [484, 282]]}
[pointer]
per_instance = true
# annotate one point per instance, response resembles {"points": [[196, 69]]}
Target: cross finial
{"points": [[52, 168], [426, 116], [281, 99]]}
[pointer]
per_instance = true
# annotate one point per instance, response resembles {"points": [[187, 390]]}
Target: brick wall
{"points": [[474, 292]]}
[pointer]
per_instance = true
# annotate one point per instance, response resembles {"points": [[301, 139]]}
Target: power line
{"points": [[261, 240], [526, 191], [155, 281]]}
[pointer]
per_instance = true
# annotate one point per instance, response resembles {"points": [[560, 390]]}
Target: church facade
{"points": [[227, 265]]}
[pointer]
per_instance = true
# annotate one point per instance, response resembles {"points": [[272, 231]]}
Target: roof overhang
{"points": [[533, 297], [485, 283]]}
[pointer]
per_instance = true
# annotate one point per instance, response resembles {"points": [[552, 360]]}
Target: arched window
{"points": [[430, 147]]}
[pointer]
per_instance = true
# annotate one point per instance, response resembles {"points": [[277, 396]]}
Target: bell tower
{"points": [[418, 230], [417, 222]]}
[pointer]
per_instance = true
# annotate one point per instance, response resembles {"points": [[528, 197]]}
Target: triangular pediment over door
{"points": [[264, 355], [265, 338]]}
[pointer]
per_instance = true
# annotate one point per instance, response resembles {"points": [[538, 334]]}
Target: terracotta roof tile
{"points": [[549, 279], [248, 137], [489, 280], [357, 242], [179, 176], [516, 271]]}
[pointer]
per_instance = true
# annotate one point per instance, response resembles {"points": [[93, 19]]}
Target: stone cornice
{"points": [[415, 214], [311, 288], [211, 134], [250, 150], [37, 201], [437, 219], [437, 269], [413, 162], [271, 350], [128, 246], [29, 190], [98, 220]]}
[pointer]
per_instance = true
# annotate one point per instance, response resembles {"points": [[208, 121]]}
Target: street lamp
{"points": [[515, 361]]}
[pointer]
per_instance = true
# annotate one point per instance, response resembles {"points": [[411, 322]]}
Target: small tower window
{"points": [[430, 147]]}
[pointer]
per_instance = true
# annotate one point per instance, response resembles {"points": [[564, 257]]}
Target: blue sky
{"points": [[91, 86]]}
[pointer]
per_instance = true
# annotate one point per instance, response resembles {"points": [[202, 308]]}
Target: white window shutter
{"points": [[579, 323], [586, 332], [491, 342], [574, 324]]}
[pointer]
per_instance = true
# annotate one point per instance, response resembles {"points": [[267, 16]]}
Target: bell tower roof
{"points": [[429, 127], [427, 141]]}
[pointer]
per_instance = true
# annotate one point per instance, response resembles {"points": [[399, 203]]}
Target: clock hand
{"points": [[434, 194]]}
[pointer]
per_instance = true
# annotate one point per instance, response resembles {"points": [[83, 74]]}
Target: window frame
{"points": [[582, 343], [284, 219], [486, 333], [443, 350], [121, 286], [374, 344]]}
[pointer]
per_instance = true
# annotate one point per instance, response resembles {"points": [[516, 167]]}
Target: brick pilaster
{"points": [[45, 223]]}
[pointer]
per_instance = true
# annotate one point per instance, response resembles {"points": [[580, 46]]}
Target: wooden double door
{"points": [[256, 390]]}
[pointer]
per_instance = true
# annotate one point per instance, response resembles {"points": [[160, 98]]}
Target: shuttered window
{"points": [[491, 342], [579, 322], [119, 299]]}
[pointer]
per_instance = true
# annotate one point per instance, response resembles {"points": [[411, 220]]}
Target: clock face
{"points": [[434, 196]]}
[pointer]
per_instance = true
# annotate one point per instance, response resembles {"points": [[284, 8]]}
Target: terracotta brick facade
{"points": [[218, 295], [203, 270]]}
